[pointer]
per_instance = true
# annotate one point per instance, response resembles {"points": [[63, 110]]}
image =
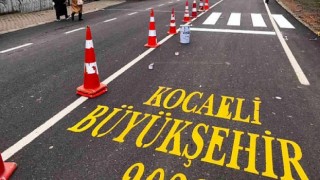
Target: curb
{"points": [[45, 22], [299, 19]]}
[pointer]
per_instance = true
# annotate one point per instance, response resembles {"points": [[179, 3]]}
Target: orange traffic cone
{"points": [[152, 39], [173, 29], [91, 87], [200, 6], [6, 169], [194, 9], [186, 17], [206, 5]]}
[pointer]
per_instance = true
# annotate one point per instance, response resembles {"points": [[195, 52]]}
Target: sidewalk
{"points": [[17, 21]]}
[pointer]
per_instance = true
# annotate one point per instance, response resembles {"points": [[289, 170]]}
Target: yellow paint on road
{"points": [[211, 144]]}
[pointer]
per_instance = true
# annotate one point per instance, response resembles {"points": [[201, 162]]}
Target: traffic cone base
{"points": [[92, 93], [186, 20], [152, 46], [172, 33], [9, 168]]}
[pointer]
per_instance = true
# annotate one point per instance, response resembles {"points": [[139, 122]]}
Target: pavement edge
{"points": [[296, 17]]}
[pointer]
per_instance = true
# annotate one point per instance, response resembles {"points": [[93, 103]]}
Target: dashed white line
{"points": [[74, 30], [14, 48], [52, 121], [160, 5], [170, 2], [110, 20], [296, 67], [149, 8], [132, 13]]}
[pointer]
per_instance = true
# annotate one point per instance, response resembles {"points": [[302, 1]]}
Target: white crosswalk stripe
{"points": [[212, 19], [282, 21], [234, 19], [256, 18]]}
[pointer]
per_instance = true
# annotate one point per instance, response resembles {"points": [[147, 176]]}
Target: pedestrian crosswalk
{"points": [[212, 19], [256, 19], [234, 19], [282, 21]]}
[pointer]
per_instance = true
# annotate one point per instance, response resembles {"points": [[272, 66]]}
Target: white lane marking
{"points": [[149, 8], [212, 19], [297, 69], [52, 121], [234, 19], [110, 20], [234, 31], [68, 32], [257, 20], [160, 5], [41, 129], [170, 2], [282, 21], [127, 66], [14, 48], [132, 13]]}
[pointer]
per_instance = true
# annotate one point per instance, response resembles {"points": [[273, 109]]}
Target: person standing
{"points": [[76, 6], [61, 9]]}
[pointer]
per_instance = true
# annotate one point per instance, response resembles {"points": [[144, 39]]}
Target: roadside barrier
{"points": [[6, 169], [91, 87], [152, 39]]}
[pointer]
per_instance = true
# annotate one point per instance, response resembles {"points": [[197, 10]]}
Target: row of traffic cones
{"points": [[152, 38], [194, 11], [92, 87]]}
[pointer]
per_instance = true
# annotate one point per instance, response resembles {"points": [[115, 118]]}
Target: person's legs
{"points": [[67, 16], [80, 16], [57, 14], [72, 16]]}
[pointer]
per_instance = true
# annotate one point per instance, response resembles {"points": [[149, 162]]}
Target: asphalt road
{"points": [[234, 104]]}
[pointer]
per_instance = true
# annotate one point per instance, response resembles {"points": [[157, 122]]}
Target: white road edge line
{"points": [[14, 48], [52, 121], [297, 69], [110, 20], [132, 13], [68, 32], [234, 31]]}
